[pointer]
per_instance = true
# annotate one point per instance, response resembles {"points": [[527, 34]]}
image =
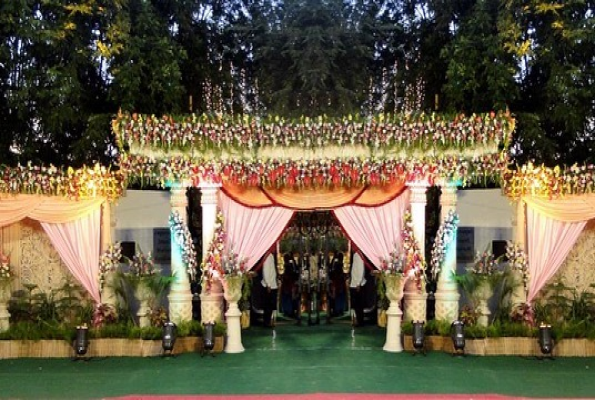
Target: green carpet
{"points": [[299, 359]]}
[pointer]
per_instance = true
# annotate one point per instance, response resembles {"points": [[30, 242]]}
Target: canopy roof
{"points": [[312, 152]]}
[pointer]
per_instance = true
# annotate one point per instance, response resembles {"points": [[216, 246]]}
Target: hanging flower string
{"points": [[183, 238], [444, 238], [517, 259], [414, 261], [219, 261], [109, 262]]}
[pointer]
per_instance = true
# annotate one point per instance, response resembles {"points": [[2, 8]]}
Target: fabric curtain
{"points": [[313, 198], [50, 209], [569, 208], [78, 243], [376, 231], [548, 243], [252, 231]]}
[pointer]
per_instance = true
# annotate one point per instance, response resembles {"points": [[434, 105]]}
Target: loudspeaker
{"points": [[499, 249], [128, 250]]}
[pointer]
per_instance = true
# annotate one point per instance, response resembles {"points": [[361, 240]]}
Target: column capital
{"points": [[418, 190], [208, 193]]}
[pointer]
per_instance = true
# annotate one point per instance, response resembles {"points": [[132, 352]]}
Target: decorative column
{"points": [[211, 302], [108, 226], [519, 293], [414, 299], [180, 296], [394, 292], [447, 293]]}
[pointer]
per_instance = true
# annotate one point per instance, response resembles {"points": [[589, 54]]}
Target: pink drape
{"points": [[78, 243], [376, 231], [548, 243], [252, 231]]}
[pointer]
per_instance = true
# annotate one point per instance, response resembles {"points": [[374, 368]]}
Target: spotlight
{"points": [[457, 333], [208, 338], [81, 341], [546, 343], [418, 337], [168, 338]]}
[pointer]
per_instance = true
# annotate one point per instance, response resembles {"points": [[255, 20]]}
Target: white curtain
{"points": [[251, 232], [78, 243], [376, 231]]}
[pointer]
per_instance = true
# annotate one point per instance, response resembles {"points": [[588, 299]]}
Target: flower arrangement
{"points": [[104, 314], [83, 183], [6, 273], [415, 265], [394, 264], [444, 237], [485, 264], [109, 261], [142, 265], [220, 262], [547, 182], [517, 260], [183, 238]]}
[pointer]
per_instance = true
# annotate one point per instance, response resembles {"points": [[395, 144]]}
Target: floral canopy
{"points": [[320, 153]]}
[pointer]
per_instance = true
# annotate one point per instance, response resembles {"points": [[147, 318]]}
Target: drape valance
{"points": [[313, 198], [50, 209], [567, 209]]}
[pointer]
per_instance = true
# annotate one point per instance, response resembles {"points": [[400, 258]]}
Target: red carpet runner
{"points": [[329, 396]]}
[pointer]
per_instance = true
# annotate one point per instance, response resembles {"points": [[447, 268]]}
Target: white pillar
{"points": [[447, 293], [180, 296], [414, 299], [211, 303], [519, 293]]}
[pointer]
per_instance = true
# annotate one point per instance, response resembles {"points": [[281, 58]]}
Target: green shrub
{"points": [[220, 329], [475, 332]]}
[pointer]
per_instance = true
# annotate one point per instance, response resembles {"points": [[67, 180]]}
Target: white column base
{"points": [[211, 307], [180, 306], [447, 305], [415, 306], [393, 329], [234, 330]]}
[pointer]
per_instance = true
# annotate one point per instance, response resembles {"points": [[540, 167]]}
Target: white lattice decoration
{"points": [[40, 264], [578, 270]]}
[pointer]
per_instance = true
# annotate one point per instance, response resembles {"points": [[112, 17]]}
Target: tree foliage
{"points": [[66, 68]]}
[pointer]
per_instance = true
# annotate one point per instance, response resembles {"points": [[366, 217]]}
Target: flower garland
{"points": [[203, 133], [220, 262], [517, 259], [183, 238], [542, 181], [109, 261], [83, 183], [329, 173], [444, 238], [414, 261]]}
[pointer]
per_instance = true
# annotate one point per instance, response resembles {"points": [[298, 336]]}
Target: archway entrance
{"points": [[313, 265]]}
